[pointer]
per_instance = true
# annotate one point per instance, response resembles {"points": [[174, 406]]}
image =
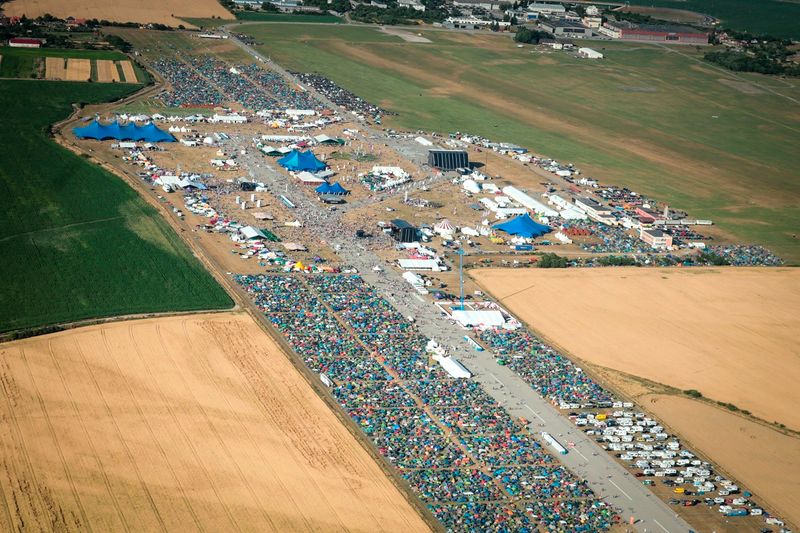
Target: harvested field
{"points": [[179, 423], [107, 71], [55, 68], [728, 438], [729, 333], [167, 12], [79, 69], [128, 71]]}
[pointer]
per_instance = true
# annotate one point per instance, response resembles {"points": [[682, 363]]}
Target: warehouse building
{"points": [[564, 28], [448, 159], [628, 31]]}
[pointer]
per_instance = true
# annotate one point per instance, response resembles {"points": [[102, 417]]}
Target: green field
{"points": [[780, 18], [656, 119], [76, 241], [22, 62]]}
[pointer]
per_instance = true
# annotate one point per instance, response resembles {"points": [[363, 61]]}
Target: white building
{"points": [[589, 53], [529, 202], [596, 211], [228, 119]]}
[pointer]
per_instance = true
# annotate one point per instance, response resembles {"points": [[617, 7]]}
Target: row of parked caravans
{"points": [[644, 443]]}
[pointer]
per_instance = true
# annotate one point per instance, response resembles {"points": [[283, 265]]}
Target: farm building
{"points": [[589, 53], [25, 42], [656, 238], [564, 28], [651, 32], [448, 159]]}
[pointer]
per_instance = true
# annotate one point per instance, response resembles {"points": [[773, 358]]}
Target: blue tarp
{"points": [[523, 226], [299, 161], [327, 188], [127, 132]]}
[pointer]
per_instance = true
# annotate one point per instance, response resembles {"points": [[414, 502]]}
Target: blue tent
{"points": [[327, 188], [523, 226], [127, 132], [299, 161]]}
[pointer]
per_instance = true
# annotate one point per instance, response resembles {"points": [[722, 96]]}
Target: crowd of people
{"points": [[206, 81], [188, 87], [339, 95], [546, 370], [475, 466], [286, 96]]}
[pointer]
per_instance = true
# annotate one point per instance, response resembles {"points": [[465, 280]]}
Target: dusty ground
{"points": [[146, 11], [190, 423], [729, 438], [729, 333]]}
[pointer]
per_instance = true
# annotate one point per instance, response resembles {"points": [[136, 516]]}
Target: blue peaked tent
{"points": [[299, 161], [523, 226], [327, 188], [127, 132]]}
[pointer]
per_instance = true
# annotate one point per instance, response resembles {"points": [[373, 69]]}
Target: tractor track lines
{"points": [[89, 440], [56, 442], [150, 428], [196, 456], [121, 437], [254, 376], [202, 362]]}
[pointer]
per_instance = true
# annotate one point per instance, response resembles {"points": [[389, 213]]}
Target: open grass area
{"points": [[24, 62], [76, 241], [774, 17], [153, 44], [654, 118], [61, 52]]}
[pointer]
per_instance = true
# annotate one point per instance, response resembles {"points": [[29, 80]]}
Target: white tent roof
{"points": [[249, 232], [419, 264], [479, 318], [453, 367], [308, 177]]}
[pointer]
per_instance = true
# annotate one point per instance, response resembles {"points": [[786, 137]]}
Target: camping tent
{"points": [[127, 132], [336, 188], [301, 161], [523, 226]]}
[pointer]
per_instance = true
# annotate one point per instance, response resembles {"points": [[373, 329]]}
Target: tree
{"points": [[552, 261]]}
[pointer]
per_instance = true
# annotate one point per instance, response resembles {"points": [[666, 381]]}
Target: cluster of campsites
{"points": [[308, 169]]}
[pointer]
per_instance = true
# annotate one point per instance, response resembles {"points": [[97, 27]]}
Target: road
{"points": [[587, 459]]}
